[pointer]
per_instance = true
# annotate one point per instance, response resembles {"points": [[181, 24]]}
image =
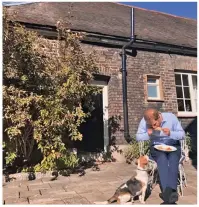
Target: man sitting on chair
{"points": [[163, 128]]}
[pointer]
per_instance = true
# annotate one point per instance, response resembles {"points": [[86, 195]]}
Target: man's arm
{"points": [[142, 133], [178, 132]]}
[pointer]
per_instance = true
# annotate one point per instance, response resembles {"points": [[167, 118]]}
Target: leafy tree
{"points": [[43, 93]]}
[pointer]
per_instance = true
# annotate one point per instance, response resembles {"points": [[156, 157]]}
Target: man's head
{"points": [[153, 118]]}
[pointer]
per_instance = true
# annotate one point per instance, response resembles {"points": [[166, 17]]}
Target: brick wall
{"points": [[109, 62], [144, 63]]}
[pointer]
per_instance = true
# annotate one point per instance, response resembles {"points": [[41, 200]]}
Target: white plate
{"points": [[165, 148]]}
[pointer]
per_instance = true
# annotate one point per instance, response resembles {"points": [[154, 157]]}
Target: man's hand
{"points": [[149, 131], [166, 131]]}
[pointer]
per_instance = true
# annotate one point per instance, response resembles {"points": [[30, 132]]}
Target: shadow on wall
{"points": [[114, 127], [192, 130]]}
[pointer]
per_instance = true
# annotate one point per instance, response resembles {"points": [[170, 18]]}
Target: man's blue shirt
{"points": [[169, 121]]}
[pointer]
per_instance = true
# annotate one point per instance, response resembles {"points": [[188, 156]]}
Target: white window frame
{"points": [[157, 84], [104, 86], [192, 113]]}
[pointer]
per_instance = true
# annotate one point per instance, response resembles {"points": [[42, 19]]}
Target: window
{"points": [[154, 88], [186, 90]]}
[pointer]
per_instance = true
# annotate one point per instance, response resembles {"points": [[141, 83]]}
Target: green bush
{"points": [[188, 141], [133, 152]]}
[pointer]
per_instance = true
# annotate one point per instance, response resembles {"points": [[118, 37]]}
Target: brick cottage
{"points": [[162, 72]]}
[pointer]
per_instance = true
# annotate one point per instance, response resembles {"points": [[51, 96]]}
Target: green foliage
{"points": [[188, 140], [43, 93], [132, 152]]}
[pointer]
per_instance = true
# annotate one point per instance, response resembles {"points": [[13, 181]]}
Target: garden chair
{"points": [[182, 179]]}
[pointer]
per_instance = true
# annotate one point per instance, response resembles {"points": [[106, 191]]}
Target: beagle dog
{"points": [[136, 186]]}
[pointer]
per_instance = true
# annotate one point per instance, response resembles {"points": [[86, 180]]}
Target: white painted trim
{"points": [[191, 93], [186, 114], [104, 86], [157, 84], [105, 117], [193, 106]]}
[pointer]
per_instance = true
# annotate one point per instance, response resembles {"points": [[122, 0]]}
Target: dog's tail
{"points": [[110, 200]]}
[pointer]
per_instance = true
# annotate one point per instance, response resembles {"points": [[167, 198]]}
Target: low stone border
{"points": [[24, 176]]}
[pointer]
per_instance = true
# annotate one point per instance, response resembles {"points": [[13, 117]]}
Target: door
{"points": [[93, 129]]}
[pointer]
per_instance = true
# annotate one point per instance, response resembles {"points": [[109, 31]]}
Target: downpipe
{"points": [[124, 80]]}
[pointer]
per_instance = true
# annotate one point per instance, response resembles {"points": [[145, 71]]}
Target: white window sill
{"points": [[187, 114]]}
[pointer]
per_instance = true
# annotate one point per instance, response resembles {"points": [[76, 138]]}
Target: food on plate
{"points": [[160, 148], [158, 128], [168, 149], [165, 148]]}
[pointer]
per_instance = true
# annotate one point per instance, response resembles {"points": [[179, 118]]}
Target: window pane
{"points": [[196, 102], [188, 105], [185, 80], [178, 79], [186, 92], [180, 105], [179, 92], [151, 80], [194, 80], [152, 91]]}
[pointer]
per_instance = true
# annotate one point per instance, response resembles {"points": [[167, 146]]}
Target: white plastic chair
{"points": [[182, 179]]}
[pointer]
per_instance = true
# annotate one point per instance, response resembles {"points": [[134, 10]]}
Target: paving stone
{"points": [[60, 179], [56, 186], [31, 193], [34, 182], [11, 195], [107, 188], [93, 197], [108, 193], [84, 189], [193, 189], [51, 191], [47, 201], [56, 195], [115, 183], [11, 185], [191, 199], [16, 201], [109, 179], [39, 186], [189, 191], [76, 201], [153, 200]]}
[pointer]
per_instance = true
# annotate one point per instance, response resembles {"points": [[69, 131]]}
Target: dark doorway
{"points": [[93, 129]]}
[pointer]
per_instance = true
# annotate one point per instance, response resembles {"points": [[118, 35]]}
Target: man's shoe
{"points": [[173, 197], [166, 194], [164, 203], [161, 196], [169, 196]]}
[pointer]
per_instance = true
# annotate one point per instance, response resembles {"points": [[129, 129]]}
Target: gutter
{"points": [[116, 42], [124, 80]]}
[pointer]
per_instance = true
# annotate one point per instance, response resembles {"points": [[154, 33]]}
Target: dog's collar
{"points": [[141, 169]]}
